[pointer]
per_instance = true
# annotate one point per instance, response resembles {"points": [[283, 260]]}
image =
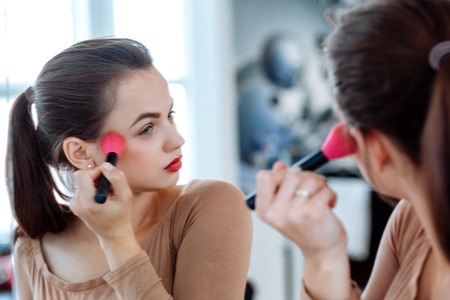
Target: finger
{"points": [[309, 185], [85, 192], [288, 186], [282, 202], [84, 179], [117, 179], [267, 183], [324, 197]]}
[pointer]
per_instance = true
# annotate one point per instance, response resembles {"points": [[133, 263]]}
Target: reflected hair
{"points": [[382, 80]]}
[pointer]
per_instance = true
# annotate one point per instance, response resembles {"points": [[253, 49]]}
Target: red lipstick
{"points": [[175, 165]]}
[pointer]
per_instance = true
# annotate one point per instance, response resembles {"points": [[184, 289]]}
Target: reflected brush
{"points": [[338, 144]]}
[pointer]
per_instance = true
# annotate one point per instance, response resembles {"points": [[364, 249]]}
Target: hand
{"points": [[299, 205], [112, 219]]}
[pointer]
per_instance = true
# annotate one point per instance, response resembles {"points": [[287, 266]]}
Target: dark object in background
{"points": [[381, 211], [249, 291], [283, 61]]}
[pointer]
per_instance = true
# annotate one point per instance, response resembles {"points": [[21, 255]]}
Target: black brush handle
{"points": [[310, 162], [103, 183]]}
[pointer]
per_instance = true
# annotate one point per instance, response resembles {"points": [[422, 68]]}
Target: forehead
{"points": [[141, 91]]}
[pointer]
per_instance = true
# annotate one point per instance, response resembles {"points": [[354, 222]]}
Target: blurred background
{"points": [[250, 88]]}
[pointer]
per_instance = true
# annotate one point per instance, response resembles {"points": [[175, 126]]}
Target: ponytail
{"points": [[30, 183], [436, 155]]}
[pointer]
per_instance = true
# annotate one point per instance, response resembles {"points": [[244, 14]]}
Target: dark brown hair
{"points": [[72, 96], [378, 57]]}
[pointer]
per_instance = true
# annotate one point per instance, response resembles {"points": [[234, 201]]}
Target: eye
{"points": [[171, 116], [147, 130]]}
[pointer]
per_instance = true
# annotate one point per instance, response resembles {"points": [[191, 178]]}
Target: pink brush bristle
{"points": [[338, 143], [112, 142]]}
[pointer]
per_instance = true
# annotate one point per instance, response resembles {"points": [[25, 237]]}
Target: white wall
{"points": [[211, 89]]}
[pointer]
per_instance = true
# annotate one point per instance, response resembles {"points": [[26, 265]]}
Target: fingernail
{"points": [[107, 166], [295, 169]]}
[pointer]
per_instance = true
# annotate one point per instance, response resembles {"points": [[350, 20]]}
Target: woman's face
{"points": [[143, 114]]}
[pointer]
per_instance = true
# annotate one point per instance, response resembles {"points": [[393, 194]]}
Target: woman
{"points": [[390, 68], [152, 238]]}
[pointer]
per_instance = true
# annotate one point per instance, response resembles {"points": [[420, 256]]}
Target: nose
{"points": [[174, 140]]}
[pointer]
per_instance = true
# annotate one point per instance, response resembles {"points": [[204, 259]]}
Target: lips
{"points": [[175, 165]]}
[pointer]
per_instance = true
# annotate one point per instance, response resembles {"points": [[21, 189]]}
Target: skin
{"points": [[312, 225], [142, 190]]}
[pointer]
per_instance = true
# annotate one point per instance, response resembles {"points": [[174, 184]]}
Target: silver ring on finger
{"points": [[302, 193]]}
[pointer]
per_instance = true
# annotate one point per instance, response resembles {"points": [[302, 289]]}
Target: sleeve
{"points": [[137, 279], [355, 293], [23, 266], [214, 253]]}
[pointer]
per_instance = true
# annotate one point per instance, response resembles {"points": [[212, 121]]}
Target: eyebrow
{"points": [[144, 116], [151, 115]]}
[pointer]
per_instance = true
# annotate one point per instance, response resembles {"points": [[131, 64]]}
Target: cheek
{"points": [[138, 160], [362, 166], [141, 173]]}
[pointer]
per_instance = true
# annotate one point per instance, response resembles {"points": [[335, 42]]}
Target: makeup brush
{"points": [[112, 144], [338, 144]]}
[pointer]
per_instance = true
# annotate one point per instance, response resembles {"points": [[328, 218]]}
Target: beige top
{"points": [[199, 250], [400, 258]]}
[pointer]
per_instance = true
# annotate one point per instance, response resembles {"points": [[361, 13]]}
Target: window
{"points": [[31, 32]]}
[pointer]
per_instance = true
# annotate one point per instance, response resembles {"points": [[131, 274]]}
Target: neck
{"points": [[442, 262], [149, 208], [441, 282]]}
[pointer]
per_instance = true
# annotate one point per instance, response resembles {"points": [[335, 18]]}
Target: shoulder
{"points": [[212, 192], [211, 199], [404, 218], [25, 254], [210, 185], [405, 227], [209, 208], [23, 246]]}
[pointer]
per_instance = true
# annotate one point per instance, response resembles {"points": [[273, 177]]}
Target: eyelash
{"points": [[170, 116], [148, 129]]}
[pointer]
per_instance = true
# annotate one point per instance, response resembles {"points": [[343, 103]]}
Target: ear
{"points": [[77, 153], [373, 148]]}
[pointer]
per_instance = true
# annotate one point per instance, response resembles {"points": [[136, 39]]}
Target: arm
{"points": [[386, 263], [310, 223], [214, 253]]}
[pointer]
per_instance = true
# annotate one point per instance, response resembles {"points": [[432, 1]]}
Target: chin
{"points": [[389, 198], [154, 183]]}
